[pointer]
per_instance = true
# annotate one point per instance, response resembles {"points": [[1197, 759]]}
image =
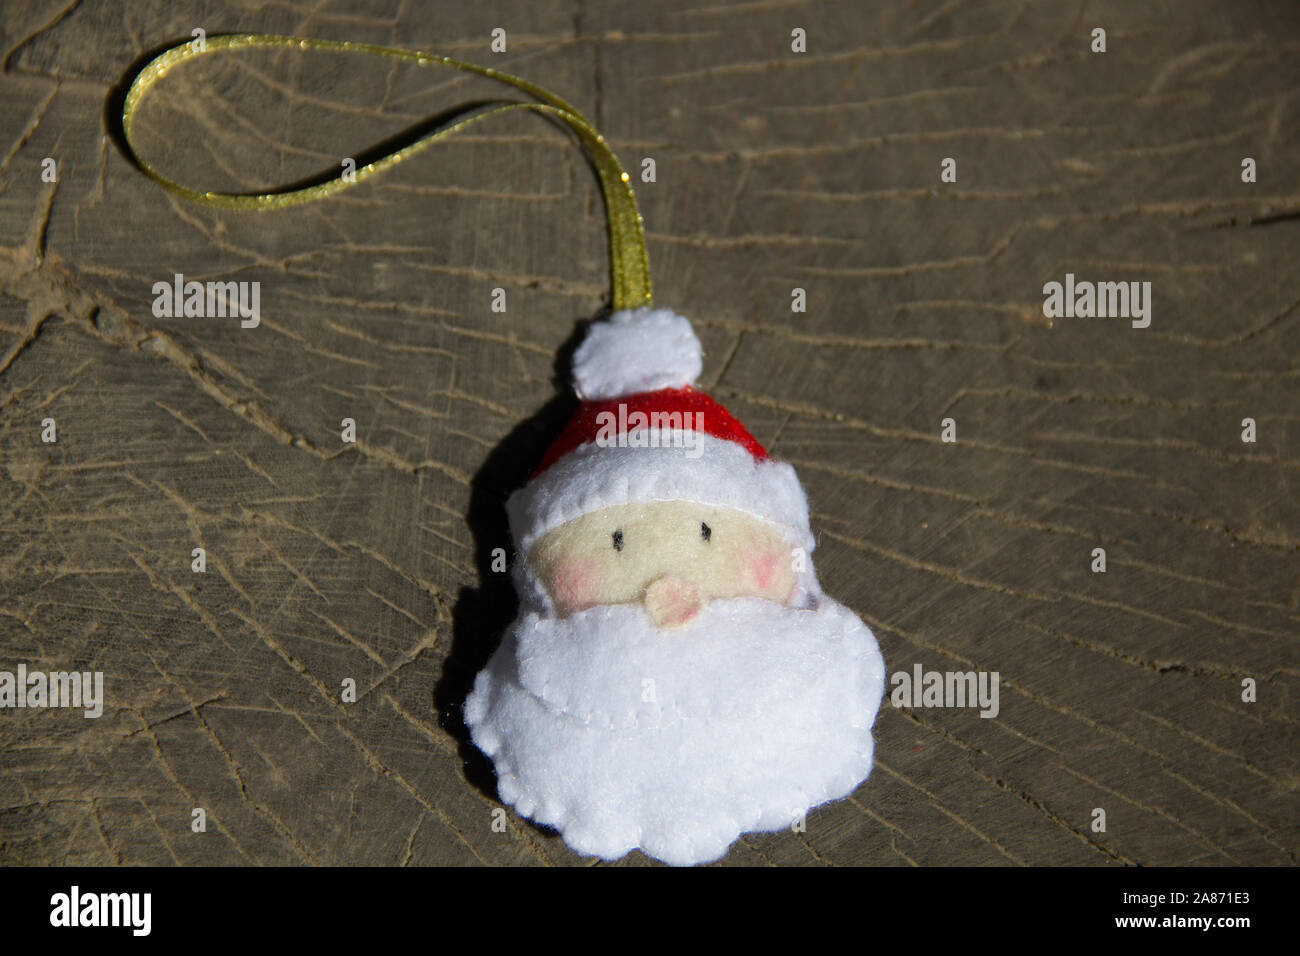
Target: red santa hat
{"points": [[644, 433]]}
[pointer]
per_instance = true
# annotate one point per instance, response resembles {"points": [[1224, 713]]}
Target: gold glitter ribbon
{"points": [[629, 261]]}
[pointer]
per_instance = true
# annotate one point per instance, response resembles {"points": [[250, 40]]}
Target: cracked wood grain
{"points": [[372, 562]]}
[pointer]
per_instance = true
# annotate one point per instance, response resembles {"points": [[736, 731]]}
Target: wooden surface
{"points": [[1120, 691]]}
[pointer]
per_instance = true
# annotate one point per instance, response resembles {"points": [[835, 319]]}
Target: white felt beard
{"points": [[622, 735]]}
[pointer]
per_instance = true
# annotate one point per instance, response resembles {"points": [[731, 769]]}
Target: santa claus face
{"points": [[677, 697], [673, 556], [676, 676]]}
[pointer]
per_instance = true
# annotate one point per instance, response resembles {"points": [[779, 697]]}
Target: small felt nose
{"points": [[672, 601]]}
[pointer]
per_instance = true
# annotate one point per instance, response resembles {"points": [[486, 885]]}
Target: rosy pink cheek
{"points": [[575, 584], [763, 568]]}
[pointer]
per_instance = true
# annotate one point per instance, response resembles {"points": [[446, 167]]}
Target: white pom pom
{"points": [[636, 350]]}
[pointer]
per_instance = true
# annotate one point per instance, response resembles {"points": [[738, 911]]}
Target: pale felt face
{"points": [[674, 556]]}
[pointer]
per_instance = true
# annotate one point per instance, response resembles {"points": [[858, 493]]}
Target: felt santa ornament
{"points": [[676, 676]]}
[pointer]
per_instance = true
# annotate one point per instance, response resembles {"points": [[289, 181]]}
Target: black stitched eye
{"points": [[618, 540], [705, 532]]}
